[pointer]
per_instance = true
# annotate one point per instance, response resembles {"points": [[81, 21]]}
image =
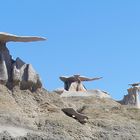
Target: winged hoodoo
{"points": [[132, 98], [74, 83], [17, 72]]}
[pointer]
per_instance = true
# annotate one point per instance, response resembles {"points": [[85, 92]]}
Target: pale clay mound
{"points": [[38, 116], [96, 93]]}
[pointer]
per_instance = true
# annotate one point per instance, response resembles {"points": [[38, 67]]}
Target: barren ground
{"points": [[26, 115]]}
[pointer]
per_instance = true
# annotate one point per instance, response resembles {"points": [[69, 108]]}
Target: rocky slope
{"points": [[25, 116]]}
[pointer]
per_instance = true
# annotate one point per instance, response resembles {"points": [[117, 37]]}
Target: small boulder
{"points": [[76, 115]]}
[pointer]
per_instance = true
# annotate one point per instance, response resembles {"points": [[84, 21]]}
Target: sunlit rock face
{"points": [[76, 86], [25, 76], [132, 98], [17, 72]]}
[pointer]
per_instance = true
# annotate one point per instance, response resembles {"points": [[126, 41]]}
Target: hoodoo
{"points": [[132, 98], [17, 72], [74, 83]]}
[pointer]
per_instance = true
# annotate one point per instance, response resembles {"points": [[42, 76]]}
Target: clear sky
{"points": [[88, 37]]}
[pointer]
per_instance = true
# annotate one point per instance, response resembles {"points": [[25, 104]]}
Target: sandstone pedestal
{"points": [[17, 72], [74, 83], [132, 98]]}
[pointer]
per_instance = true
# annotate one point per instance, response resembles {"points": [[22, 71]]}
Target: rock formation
{"points": [[76, 115], [74, 83], [17, 72], [39, 116], [132, 98]]}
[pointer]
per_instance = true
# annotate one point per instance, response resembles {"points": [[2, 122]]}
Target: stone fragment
{"points": [[76, 115]]}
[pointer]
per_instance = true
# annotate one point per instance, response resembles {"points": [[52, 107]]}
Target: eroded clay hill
{"points": [[39, 115]]}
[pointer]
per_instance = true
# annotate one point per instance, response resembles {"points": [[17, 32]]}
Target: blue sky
{"points": [[88, 37]]}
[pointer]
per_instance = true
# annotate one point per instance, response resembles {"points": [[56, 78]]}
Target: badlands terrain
{"points": [[26, 115]]}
